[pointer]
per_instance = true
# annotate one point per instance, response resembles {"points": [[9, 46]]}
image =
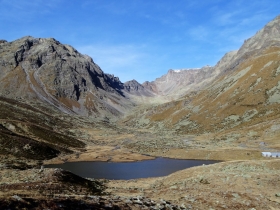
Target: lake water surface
{"points": [[131, 170]]}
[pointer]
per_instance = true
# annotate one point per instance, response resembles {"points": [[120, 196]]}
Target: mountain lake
{"points": [[129, 170]]}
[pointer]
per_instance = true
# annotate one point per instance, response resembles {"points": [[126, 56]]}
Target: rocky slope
{"points": [[229, 185], [32, 132], [48, 71], [244, 92], [178, 82], [135, 88]]}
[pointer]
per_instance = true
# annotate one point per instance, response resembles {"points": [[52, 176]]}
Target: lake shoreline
{"points": [[157, 167], [111, 154]]}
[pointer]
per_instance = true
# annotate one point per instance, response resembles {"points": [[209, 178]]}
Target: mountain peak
{"points": [[45, 70], [267, 36]]}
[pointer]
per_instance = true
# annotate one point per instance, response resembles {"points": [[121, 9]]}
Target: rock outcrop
{"points": [[135, 88]]}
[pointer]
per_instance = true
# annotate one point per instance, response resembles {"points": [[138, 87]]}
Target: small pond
{"points": [[131, 170]]}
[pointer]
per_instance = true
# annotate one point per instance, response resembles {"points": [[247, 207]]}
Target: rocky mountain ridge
{"points": [[244, 92], [177, 83], [46, 70], [135, 88]]}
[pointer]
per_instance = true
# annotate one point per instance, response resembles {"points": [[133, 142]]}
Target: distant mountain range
{"points": [[241, 90]]}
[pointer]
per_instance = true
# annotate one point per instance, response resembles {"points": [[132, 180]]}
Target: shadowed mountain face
{"points": [[48, 71]]}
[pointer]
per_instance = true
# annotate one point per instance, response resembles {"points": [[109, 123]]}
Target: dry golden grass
{"points": [[240, 97], [227, 185]]}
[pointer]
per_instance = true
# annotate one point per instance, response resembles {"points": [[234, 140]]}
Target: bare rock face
{"points": [[267, 36], [178, 82], [2, 41], [135, 88], [45, 69]]}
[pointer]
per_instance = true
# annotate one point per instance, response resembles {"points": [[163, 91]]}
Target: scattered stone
{"points": [[235, 195], [183, 206], [17, 197], [204, 181], [174, 187]]}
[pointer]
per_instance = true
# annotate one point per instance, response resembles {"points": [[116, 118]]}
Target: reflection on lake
{"points": [[132, 170]]}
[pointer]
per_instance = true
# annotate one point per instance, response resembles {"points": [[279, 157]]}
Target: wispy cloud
{"points": [[124, 61], [119, 7], [13, 9], [225, 19], [199, 33], [120, 55]]}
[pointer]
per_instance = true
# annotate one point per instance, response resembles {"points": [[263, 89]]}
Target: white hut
{"points": [[275, 154], [266, 154], [271, 154]]}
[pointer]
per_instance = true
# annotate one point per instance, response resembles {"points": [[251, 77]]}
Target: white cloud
{"points": [[124, 61], [199, 33], [12, 9], [120, 55]]}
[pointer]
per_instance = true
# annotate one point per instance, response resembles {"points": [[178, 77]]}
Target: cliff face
{"points": [[57, 74]]}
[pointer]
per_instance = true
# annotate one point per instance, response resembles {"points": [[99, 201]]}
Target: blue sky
{"points": [[140, 39]]}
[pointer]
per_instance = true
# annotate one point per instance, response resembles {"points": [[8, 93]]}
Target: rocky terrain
{"points": [[57, 105], [58, 75], [228, 185]]}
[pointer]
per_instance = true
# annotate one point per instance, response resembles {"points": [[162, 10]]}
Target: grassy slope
{"points": [[33, 133], [242, 104]]}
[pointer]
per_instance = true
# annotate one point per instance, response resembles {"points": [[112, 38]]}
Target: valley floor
{"points": [[245, 180]]}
